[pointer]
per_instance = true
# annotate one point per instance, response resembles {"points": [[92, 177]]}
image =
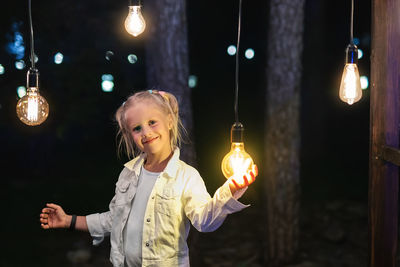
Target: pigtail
{"points": [[124, 139], [120, 136], [177, 129], [173, 103]]}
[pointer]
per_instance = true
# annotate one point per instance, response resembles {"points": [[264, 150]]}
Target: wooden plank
{"points": [[391, 155], [384, 131]]}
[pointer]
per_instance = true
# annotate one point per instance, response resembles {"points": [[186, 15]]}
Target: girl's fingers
{"points": [[250, 177], [253, 177], [54, 206], [246, 180], [44, 223], [255, 170], [235, 183], [48, 210], [253, 173]]}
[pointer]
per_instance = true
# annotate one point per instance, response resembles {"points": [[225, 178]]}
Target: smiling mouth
{"points": [[149, 141]]}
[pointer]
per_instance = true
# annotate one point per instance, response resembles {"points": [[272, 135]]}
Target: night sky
{"points": [[71, 158]]}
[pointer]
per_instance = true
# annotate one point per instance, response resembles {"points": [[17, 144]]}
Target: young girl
{"points": [[157, 195]]}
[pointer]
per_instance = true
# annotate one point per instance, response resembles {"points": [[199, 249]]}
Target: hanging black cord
{"points": [[30, 22], [351, 22], [237, 65]]}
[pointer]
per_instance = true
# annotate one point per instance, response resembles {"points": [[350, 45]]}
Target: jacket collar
{"points": [[171, 168]]}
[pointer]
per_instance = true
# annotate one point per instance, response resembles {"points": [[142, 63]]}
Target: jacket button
{"points": [[147, 244], [148, 220]]}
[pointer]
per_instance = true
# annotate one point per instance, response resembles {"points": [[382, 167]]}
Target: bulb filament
{"points": [[33, 108], [350, 87], [350, 84]]}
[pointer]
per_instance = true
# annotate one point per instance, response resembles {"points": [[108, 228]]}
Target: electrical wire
{"points": [[32, 50], [237, 65], [351, 22]]}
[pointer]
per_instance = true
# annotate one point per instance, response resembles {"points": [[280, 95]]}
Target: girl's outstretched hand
{"points": [[53, 216], [236, 183]]}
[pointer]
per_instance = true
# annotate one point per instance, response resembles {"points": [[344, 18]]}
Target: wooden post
{"points": [[384, 133]]}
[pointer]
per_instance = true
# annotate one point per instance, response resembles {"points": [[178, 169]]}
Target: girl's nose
{"points": [[146, 131]]}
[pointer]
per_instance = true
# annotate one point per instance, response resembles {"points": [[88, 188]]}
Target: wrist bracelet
{"points": [[73, 222]]}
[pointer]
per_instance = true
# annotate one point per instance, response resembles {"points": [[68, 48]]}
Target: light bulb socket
{"points": [[351, 54], [237, 131], [32, 78], [134, 3]]}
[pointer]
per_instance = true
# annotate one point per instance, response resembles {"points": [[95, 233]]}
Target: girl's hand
{"points": [[53, 216], [236, 183]]}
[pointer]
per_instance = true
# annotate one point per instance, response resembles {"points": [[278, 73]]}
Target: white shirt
{"points": [[134, 226], [178, 197]]}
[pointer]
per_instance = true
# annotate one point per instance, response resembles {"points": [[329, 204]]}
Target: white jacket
{"points": [[179, 195]]}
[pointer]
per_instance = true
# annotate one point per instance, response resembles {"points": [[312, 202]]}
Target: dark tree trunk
{"points": [[282, 147], [167, 59], [167, 65]]}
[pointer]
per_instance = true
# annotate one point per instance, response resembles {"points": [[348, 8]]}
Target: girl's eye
{"points": [[152, 122], [137, 129]]}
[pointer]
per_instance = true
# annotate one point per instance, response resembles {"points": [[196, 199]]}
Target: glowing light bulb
{"points": [[134, 23], [32, 109], [350, 86], [237, 162]]}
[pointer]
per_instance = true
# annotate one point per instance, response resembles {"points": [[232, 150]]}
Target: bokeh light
{"points": [[21, 91], [249, 53], [360, 53], [58, 58], [16, 46], [132, 58], [107, 77], [109, 55], [192, 81], [107, 84], [231, 50], [364, 82], [20, 64], [2, 69]]}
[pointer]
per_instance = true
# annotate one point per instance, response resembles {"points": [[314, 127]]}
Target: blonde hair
{"points": [[168, 105]]}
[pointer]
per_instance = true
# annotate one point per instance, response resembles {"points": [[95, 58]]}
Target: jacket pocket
{"points": [[123, 193], [167, 202]]}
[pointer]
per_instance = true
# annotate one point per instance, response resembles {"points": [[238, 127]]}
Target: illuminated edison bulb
{"points": [[32, 109], [134, 23], [237, 162], [350, 86]]}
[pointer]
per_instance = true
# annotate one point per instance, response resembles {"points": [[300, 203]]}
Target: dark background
{"points": [[71, 158]]}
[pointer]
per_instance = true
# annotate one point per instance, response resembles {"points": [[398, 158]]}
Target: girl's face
{"points": [[150, 128]]}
